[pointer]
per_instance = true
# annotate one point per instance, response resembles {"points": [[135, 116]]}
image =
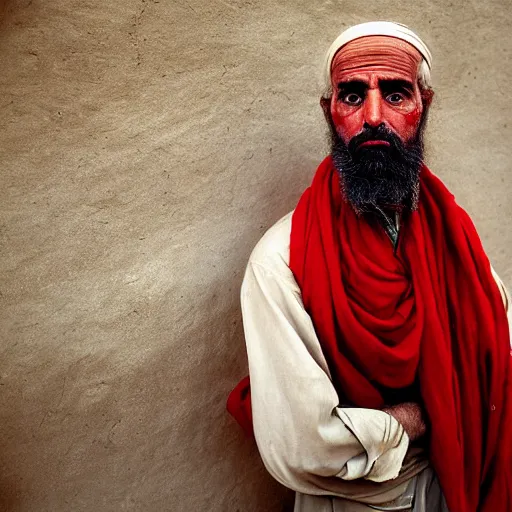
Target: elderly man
{"points": [[377, 337]]}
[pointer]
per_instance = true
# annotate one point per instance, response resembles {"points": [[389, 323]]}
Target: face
{"points": [[375, 83]]}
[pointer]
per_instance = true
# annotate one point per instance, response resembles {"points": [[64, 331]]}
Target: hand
{"points": [[410, 416]]}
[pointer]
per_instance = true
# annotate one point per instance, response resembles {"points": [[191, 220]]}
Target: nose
{"points": [[373, 108]]}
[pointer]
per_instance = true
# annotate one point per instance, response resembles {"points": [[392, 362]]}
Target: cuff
{"points": [[384, 440]]}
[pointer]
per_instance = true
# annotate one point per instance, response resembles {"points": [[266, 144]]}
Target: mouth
{"points": [[374, 143]]}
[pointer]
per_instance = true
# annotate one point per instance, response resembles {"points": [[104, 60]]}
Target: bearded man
{"points": [[376, 328]]}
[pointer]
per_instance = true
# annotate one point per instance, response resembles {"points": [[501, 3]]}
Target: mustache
{"points": [[383, 177], [380, 132]]}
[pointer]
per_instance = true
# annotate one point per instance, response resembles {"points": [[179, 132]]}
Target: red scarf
{"points": [[432, 311]]}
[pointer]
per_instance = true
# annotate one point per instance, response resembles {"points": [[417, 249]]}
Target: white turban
{"points": [[374, 28]]}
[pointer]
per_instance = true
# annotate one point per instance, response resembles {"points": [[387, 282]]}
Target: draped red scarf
{"points": [[431, 312]]}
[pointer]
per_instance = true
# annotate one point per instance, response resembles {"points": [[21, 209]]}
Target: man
{"points": [[377, 337]]}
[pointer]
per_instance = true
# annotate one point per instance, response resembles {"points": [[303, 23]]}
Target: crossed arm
{"points": [[305, 439], [410, 416]]}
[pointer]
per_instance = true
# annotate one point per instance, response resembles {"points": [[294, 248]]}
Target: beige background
{"points": [[145, 147]]}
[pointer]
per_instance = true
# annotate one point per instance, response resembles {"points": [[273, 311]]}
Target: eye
{"points": [[395, 98], [351, 98]]}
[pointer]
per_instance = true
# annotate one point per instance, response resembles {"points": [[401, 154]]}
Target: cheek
{"points": [[347, 124], [413, 118], [404, 124]]}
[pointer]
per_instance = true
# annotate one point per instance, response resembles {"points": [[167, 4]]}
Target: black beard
{"points": [[379, 176]]}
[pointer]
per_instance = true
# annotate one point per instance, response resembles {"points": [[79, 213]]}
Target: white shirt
{"points": [[306, 441]]}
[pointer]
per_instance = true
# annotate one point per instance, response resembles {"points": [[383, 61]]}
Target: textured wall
{"points": [[145, 146]]}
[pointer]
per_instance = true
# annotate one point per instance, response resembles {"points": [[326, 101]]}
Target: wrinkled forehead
{"points": [[384, 54]]}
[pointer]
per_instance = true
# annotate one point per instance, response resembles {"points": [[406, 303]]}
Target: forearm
{"points": [[410, 416], [302, 434]]}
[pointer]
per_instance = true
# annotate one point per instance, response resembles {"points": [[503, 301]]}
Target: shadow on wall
{"points": [[154, 437], [5, 11], [10, 491]]}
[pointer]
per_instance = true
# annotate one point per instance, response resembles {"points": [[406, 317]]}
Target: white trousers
{"points": [[423, 494]]}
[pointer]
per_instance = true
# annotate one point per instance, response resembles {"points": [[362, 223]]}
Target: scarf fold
{"points": [[429, 313]]}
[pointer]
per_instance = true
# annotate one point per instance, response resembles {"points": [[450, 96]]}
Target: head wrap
{"points": [[374, 28]]}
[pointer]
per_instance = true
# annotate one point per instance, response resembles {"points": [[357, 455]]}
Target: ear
{"points": [[325, 103], [427, 96]]}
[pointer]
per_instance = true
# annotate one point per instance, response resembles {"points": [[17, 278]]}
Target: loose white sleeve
{"points": [[507, 302], [302, 433]]}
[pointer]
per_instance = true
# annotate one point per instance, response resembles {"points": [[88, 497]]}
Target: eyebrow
{"points": [[384, 83]]}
